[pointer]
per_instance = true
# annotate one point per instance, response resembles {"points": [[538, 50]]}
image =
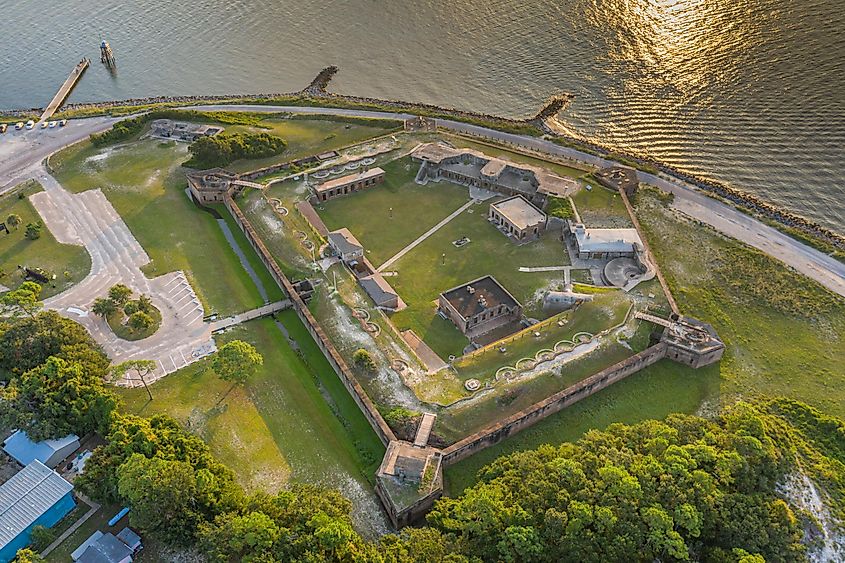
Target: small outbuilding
{"points": [[35, 496], [48, 452], [381, 292], [348, 184], [605, 244], [345, 245]]}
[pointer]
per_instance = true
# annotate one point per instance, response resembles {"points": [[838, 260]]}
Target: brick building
{"points": [[479, 306], [348, 184], [517, 218]]}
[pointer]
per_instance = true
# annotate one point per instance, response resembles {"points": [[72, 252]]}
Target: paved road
{"points": [[89, 219], [21, 152], [689, 200]]}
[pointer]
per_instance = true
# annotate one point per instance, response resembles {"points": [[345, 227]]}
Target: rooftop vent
{"points": [[470, 289]]}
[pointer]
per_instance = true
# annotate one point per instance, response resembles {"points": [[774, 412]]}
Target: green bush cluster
{"points": [[220, 150], [559, 207]]}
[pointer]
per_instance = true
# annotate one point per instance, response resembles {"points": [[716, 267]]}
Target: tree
{"points": [[142, 369], [161, 494], [29, 341], [235, 537], [33, 231], [139, 321], [104, 307], [55, 399], [145, 303], [13, 220], [23, 299], [28, 556], [120, 294], [236, 361]]}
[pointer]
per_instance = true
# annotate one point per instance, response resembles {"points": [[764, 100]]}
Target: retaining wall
{"points": [[337, 362], [497, 432]]}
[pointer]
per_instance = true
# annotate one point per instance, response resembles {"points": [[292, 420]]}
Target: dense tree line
{"points": [[223, 148], [683, 489]]}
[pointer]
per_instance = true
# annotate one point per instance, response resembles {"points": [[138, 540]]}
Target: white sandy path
{"points": [[89, 219]]}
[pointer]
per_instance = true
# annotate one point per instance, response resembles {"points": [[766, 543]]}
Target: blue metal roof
{"points": [[20, 447], [25, 497]]}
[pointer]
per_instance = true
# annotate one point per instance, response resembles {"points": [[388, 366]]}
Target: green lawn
{"points": [[423, 274], [415, 209], [305, 137], [782, 332], [145, 183], [69, 263], [600, 207], [294, 420]]}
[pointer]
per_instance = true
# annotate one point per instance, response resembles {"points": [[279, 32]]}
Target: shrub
{"points": [[33, 231], [560, 207], [131, 307], [140, 320], [220, 150], [42, 537], [364, 360]]}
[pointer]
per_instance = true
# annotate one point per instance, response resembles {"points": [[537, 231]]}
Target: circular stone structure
{"points": [[472, 384], [619, 271]]}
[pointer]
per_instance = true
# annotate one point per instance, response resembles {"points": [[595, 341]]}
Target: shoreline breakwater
{"points": [[316, 94]]}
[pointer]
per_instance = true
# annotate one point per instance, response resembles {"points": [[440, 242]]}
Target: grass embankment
{"points": [[294, 420], [781, 329], [69, 263], [491, 149], [601, 208]]}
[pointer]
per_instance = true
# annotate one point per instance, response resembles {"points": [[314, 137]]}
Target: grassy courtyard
{"points": [[600, 207], [782, 332], [69, 263], [415, 209], [423, 273]]}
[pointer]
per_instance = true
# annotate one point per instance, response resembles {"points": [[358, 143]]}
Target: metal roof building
{"points": [[35, 495], [48, 452]]}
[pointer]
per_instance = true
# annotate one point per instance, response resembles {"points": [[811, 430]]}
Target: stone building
{"points": [[605, 244], [517, 218], [345, 245], [692, 342], [210, 186], [348, 184], [182, 131], [479, 306], [473, 168], [381, 292]]}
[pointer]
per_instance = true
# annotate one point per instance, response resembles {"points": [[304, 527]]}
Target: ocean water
{"points": [[747, 92]]}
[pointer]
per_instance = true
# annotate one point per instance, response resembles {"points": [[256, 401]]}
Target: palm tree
{"points": [[13, 220], [103, 307]]}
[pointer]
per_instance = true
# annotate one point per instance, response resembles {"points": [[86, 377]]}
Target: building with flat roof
{"points": [[345, 245], [48, 452], [474, 168], [182, 131], [35, 496], [348, 184], [605, 244], [210, 186], [517, 218], [479, 306], [692, 342]]}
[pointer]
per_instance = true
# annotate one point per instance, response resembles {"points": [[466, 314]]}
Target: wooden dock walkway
{"points": [[65, 90], [263, 311]]}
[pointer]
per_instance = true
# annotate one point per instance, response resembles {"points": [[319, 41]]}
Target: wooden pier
{"points": [[65, 90]]}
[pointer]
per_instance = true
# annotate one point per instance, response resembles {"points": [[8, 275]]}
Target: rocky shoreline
{"points": [[316, 94]]}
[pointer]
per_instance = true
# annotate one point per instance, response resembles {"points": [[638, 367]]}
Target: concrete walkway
{"points": [[263, 311], [88, 219], [93, 507], [425, 235]]}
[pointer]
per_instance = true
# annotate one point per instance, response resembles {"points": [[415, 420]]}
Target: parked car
{"points": [[63, 122], [44, 125], [52, 124], [3, 127], [18, 125], [30, 124]]}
